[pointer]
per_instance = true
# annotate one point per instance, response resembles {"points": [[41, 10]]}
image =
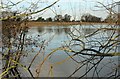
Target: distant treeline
{"points": [[67, 18], [62, 18]]}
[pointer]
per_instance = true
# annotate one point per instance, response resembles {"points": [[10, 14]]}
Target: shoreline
{"points": [[32, 23]]}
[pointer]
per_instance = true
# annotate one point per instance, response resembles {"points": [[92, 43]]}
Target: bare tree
{"points": [[14, 29], [90, 48]]}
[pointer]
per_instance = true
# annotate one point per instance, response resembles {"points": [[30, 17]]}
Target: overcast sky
{"points": [[75, 8]]}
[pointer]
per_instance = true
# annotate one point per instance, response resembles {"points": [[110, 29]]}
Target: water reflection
{"points": [[60, 33], [57, 29], [40, 29], [59, 38], [87, 31]]}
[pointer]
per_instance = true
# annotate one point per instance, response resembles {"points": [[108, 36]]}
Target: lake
{"points": [[44, 40]]}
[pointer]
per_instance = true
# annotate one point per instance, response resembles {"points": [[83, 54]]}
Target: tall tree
{"points": [[90, 18], [49, 19], [67, 18], [58, 18], [40, 19]]}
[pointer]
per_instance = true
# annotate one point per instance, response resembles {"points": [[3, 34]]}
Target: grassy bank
{"points": [[30, 24]]}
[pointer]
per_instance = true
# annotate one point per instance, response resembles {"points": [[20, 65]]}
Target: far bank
{"points": [[32, 23]]}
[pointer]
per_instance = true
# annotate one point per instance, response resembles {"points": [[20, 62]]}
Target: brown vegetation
{"points": [[32, 23]]}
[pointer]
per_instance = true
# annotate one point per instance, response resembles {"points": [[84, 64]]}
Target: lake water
{"points": [[58, 36]]}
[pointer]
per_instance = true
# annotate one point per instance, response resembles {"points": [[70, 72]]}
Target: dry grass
{"points": [[30, 24]]}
